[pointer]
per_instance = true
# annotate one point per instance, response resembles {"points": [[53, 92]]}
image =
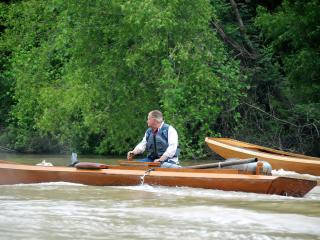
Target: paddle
{"points": [[223, 164]]}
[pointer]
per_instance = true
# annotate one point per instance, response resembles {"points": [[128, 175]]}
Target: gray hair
{"points": [[157, 115]]}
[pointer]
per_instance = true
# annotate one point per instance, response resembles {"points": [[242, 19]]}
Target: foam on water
{"points": [[142, 212], [217, 215], [217, 194], [75, 211], [46, 184], [283, 173], [185, 191], [79, 220]]}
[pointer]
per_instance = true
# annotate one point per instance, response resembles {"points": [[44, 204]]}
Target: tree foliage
{"points": [[87, 72], [292, 34], [82, 75], [276, 44]]}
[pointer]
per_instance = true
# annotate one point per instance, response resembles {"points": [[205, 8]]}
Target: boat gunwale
{"points": [[197, 173]]}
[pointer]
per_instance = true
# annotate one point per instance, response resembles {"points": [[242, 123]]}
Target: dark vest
{"points": [[158, 144]]}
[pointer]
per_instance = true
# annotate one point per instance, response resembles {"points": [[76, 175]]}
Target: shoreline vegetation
{"points": [[81, 76]]}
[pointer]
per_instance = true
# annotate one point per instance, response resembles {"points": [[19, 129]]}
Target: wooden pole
{"points": [[223, 164]]}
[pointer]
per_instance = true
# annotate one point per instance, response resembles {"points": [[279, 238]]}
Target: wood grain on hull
{"points": [[223, 180]]}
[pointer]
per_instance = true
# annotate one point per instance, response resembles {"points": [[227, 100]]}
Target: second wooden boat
{"points": [[230, 148]]}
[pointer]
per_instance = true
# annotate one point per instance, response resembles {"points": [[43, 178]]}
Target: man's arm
{"points": [[140, 148]]}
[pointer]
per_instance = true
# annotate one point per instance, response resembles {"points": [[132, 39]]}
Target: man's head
{"points": [[155, 119]]}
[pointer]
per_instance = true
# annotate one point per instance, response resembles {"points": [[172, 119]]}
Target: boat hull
{"points": [[229, 148], [227, 181]]}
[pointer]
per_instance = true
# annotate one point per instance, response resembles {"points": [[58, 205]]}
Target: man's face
{"points": [[152, 123]]}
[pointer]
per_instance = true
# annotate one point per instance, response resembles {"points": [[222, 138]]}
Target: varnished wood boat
{"points": [[230, 148], [222, 179]]}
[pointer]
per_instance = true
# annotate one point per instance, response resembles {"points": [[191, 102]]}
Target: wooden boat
{"points": [[222, 179], [230, 148]]}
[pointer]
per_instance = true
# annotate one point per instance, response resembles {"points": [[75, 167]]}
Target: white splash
{"points": [[44, 163], [283, 173]]}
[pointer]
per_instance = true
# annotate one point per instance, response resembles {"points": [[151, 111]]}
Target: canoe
{"points": [[230, 148], [222, 179]]}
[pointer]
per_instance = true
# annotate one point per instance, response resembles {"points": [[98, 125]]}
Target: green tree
{"points": [[292, 35], [87, 72], [4, 79]]}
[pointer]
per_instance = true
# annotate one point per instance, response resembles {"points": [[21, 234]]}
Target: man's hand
{"points": [[130, 155], [163, 158]]}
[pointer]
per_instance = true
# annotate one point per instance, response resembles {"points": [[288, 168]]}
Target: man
{"points": [[160, 141]]}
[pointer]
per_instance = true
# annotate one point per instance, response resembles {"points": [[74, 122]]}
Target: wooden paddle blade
{"points": [[90, 165]]}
